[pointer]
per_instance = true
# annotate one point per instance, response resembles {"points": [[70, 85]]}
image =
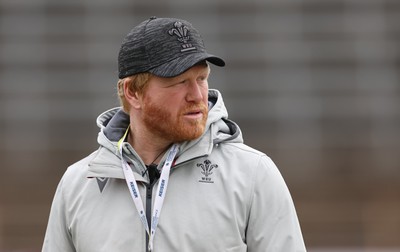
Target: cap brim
{"points": [[181, 64]]}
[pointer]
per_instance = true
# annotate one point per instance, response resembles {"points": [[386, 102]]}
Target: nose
{"points": [[194, 92]]}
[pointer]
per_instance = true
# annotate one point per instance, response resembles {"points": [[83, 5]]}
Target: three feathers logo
{"points": [[181, 31]]}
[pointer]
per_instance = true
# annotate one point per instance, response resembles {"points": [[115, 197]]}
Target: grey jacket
{"points": [[222, 196]]}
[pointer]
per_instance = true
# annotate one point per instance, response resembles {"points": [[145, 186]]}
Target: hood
{"points": [[114, 122], [219, 129]]}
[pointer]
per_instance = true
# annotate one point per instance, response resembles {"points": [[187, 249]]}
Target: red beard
{"points": [[174, 128]]}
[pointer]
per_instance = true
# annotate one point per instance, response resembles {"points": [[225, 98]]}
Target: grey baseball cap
{"points": [[165, 47]]}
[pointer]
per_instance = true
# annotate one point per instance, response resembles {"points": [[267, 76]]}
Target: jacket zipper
{"points": [[149, 196]]}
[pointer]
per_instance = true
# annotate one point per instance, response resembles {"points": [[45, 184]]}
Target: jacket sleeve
{"points": [[273, 224], [58, 237]]}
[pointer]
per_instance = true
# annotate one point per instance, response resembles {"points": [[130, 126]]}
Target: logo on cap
{"points": [[181, 31]]}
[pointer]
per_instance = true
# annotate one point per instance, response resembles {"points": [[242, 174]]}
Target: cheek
{"points": [[205, 96], [204, 89], [205, 93], [173, 106]]}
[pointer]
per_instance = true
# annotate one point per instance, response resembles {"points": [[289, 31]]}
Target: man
{"points": [[172, 172]]}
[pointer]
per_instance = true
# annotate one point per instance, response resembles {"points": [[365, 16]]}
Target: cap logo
{"points": [[181, 31]]}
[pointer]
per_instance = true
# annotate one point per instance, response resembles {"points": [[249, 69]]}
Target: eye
{"points": [[202, 78], [173, 83]]}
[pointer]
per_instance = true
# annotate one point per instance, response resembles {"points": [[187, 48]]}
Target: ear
{"points": [[132, 97]]}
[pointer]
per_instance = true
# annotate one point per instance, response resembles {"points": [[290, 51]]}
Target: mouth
{"points": [[194, 114]]}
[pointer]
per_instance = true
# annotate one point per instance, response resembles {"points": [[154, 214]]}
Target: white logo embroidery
{"points": [[181, 31]]}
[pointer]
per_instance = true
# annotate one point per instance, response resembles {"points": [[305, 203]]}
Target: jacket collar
{"points": [[114, 122]]}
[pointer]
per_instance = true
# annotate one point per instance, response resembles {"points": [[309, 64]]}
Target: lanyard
{"points": [[160, 193]]}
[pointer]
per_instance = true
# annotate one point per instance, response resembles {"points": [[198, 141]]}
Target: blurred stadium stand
{"points": [[314, 84]]}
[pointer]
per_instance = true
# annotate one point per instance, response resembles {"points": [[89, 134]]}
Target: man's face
{"points": [[176, 109]]}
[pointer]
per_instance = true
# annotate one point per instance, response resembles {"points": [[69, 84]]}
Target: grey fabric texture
{"points": [[165, 47]]}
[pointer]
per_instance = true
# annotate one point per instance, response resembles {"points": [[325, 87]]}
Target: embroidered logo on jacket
{"points": [[206, 171], [182, 32]]}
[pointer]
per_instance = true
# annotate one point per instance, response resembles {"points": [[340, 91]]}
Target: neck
{"points": [[149, 151]]}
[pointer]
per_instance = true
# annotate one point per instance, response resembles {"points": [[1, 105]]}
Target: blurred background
{"points": [[314, 84]]}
